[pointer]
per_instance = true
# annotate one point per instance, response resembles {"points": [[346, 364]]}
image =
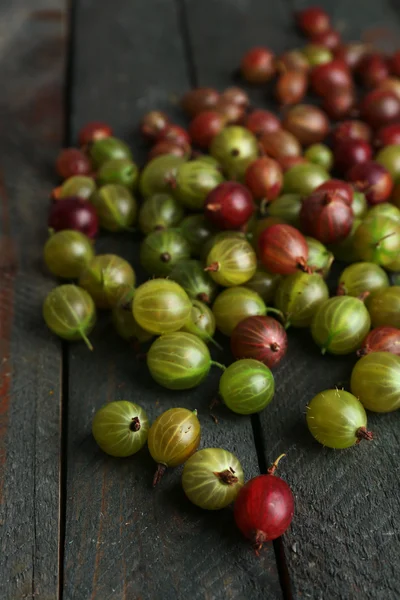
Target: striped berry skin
{"points": [[325, 216], [261, 338], [283, 249]]}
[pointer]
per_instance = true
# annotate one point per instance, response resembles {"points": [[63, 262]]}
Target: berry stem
{"points": [[134, 424], [86, 340], [213, 267], [219, 365], [275, 311], [158, 474], [228, 477], [274, 466], [362, 433]]}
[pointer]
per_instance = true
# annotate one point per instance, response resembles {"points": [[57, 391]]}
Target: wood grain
{"points": [[32, 51], [124, 540]]}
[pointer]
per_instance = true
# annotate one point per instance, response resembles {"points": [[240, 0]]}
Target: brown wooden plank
{"points": [[32, 50], [124, 540]]}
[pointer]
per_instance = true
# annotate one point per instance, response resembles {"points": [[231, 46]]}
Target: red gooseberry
{"points": [[329, 38], [291, 87], [93, 131], [309, 124], [373, 180], [72, 161], [331, 77], [199, 99], [258, 65], [262, 121], [74, 213], [264, 179], [231, 111], [338, 187], [287, 162], [313, 20], [326, 217], [341, 105], [292, 60], [351, 152], [168, 147], [379, 108], [174, 133], [264, 508], [153, 123], [351, 130], [280, 143], [388, 136], [352, 53], [205, 126], [261, 338], [229, 205], [237, 96], [391, 84], [372, 70], [381, 339], [283, 249]]}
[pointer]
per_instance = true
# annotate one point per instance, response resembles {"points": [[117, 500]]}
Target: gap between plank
{"points": [[67, 139], [183, 26]]}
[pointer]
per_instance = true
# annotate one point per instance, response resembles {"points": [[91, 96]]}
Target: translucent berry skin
{"points": [[304, 178], [286, 207], [78, 185], [159, 174], [201, 322], [67, 253], [298, 297], [234, 148], [320, 259], [74, 213], [109, 279], [331, 77], [340, 325], [120, 428], [161, 306], [264, 283], [231, 262], [380, 107], [93, 131], [283, 249], [264, 179], [377, 240], [69, 312], [126, 325], [212, 478], [109, 148], [372, 179], [179, 360], [119, 171], [325, 216], [308, 123], [115, 206], [174, 133], [194, 181], [174, 436], [161, 250], [195, 281], [381, 339], [280, 144], [247, 386], [384, 307], [375, 381], [264, 509], [235, 304], [159, 212], [260, 338], [229, 205], [72, 161], [291, 87], [362, 277], [335, 417]]}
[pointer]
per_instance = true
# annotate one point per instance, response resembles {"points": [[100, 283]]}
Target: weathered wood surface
{"points": [[124, 540], [32, 49]]}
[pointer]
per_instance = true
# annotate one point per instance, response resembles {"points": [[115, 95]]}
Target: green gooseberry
{"points": [[231, 262], [115, 206], [359, 205], [67, 253], [345, 250], [235, 148], [222, 235], [384, 209], [161, 250], [389, 157], [70, 313], [287, 207], [120, 171], [159, 212], [109, 279], [194, 180], [304, 178], [161, 306], [317, 55], [109, 148], [375, 381], [320, 259], [234, 305], [197, 230], [126, 325], [298, 297], [201, 322], [209, 160], [377, 240], [247, 386], [179, 360], [340, 325], [159, 175], [361, 277], [212, 478], [120, 428], [264, 283], [77, 185], [320, 154], [195, 281], [384, 307]]}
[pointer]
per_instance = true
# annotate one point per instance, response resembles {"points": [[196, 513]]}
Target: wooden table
{"points": [[74, 523]]}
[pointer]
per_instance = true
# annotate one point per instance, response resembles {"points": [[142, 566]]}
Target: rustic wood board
{"points": [[32, 50], [124, 540]]}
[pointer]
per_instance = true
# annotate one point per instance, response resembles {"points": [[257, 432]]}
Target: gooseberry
{"points": [[373, 179], [161, 250], [120, 428], [313, 21], [340, 105], [287, 207], [388, 136], [283, 249], [153, 123], [329, 38], [261, 338], [298, 296], [201, 322], [350, 152], [167, 147], [307, 123], [78, 185], [197, 231], [198, 100], [247, 386], [231, 262], [384, 307], [195, 281], [118, 171], [174, 133], [229, 205], [280, 144], [381, 339], [115, 206], [389, 158], [317, 54], [126, 325], [377, 240], [258, 65], [159, 173], [320, 259], [362, 277], [325, 216], [194, 180], [159, 212], [375, 381], [108, 148], [321, 155], [161, 306], [67, 253], [304, 178], [292, 60], [380, 107], [235, 304], [291, 87], [109, 279], [74, 213], [338, 187], [72, 161], [373, 70], [264, 179], [93, 131], [351, 130], [205, 126], [262, 121], [235, 148], [264, 283]]}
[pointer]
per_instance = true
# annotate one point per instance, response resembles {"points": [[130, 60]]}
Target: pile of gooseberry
{"points": [[242, 215]]}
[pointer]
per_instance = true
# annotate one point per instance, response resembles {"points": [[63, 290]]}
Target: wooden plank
{"points": [[124, 540], [32, 50]]}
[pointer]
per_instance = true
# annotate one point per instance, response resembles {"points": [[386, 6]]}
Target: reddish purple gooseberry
{"points": [[351, 54], [153, 123], [74, 213], [283, 249], [237, 96], [229, 205], [313, 21], [326, 217], [338, 187], [373, 180], [205, 127], [94, 131], [168, 147], [291, 87], [200, 99], [262, 121], [373, 70], [279, 144], [261, 338], [349, 153], [381, 339], [309, 124], [258, 65], [230, 111], [380, 107], [388, 136], [351, 130], [394, 64], [340, 105], [72, 161], [331, 77], [174, 133], [329, 38], [264, 179]]}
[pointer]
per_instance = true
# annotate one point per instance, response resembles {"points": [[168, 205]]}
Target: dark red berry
{"points": [[258, 65], [91, 132], [264, 179], [373, 180], [260, 338], [72, 161], [326, 217], [229, 205], [204, 127], [283, 249], [74, 213]]}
